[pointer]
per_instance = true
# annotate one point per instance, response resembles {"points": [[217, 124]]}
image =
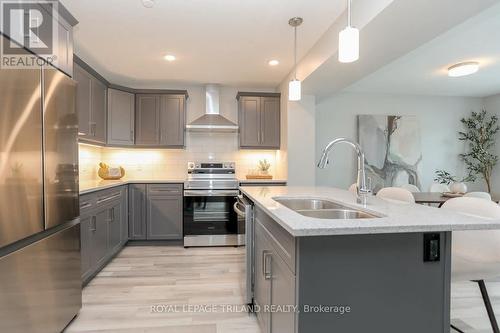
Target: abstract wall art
{"points": [[392, 148]]}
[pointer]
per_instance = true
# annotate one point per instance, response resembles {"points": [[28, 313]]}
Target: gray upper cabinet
{"points": [[91, 106], [160, 120], [83, 87], [64, 49], [147, 115], [270, 122], [98, 114], [121, 117], [59, 33], [259, 121], [172, 120], [249, 117]]}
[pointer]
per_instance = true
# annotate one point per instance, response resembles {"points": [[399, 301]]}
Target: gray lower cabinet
{"points": [[259, 121], [160, 120], [99, 234], [155, 212], [164, 220], [91, 96], [103, 229], [85, 227], [137, 212], [121, 118], [262, 284], [274, 284], [349, 283]]}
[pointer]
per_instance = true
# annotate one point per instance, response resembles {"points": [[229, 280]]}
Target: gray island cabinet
{"points": [[386, 274]]}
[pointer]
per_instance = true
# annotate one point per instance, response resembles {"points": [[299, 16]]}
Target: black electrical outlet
{"points": [[432, 247]]}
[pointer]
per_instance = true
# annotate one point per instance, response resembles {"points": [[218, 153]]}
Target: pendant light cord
{"points": [[348, 13], [295, 52]]}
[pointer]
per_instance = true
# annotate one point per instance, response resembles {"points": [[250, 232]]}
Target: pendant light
{"points": [[295, 86], [349, 40]]}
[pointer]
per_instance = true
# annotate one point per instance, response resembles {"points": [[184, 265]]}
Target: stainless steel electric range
{"points": [[210, 194]]}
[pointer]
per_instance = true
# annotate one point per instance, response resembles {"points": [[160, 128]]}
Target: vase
{"points": [[458, 187]]}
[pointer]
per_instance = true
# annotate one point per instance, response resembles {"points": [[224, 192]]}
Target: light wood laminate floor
{"points": [[467, 308], [120, 297]]}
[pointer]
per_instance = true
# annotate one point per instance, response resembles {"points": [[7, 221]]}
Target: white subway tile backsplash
{"points": [[166, 163]]}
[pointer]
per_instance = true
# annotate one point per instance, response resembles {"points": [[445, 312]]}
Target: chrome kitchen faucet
{"points": [[363, 191]]}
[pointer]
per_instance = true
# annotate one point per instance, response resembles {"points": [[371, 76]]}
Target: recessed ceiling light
{"points": [[148, 3], [169, 57], [274, 62], [463, 69]]}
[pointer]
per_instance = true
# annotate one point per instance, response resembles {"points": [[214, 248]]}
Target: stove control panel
{"points": [[211, 165]]}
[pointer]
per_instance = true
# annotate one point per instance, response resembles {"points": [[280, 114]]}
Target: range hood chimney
{"points": [[212, 121]]}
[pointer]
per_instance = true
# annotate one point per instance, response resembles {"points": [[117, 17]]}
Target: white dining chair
{"points": [[476, 254], [481, 195], [396, 194], [410, 187], [441, 188]]}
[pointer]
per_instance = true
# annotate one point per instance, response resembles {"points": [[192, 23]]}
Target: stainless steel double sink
{"points": [[323, 209]]}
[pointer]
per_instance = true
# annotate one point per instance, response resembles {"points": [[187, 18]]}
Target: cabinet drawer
{"points": [[282, 242], [109, 196], [165, 189], [87, 203]]}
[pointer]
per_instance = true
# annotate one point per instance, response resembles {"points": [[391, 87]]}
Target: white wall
{"points": [[298, 141], [492, 105], [439, 120]]}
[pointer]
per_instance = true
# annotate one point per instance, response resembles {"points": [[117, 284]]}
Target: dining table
{"points": [[439, 198]]}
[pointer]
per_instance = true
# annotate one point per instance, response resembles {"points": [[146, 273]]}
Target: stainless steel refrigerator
{"points": [[40, 286]]}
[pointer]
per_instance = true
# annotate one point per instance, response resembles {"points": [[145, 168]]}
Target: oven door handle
{"points": [[239, 212], [211, 193]]}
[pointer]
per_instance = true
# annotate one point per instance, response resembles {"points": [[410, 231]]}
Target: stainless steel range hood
{"points": [[212, 121]]}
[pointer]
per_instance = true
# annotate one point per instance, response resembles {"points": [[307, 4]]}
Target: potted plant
{"points": [[456, 186], [264, 166], [480, 135]]}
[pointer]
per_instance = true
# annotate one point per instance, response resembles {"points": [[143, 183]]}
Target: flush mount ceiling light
{"points": [[349, 40], [148, 3], [169, 57], [274, 62], [295, 86], [463, 69]]}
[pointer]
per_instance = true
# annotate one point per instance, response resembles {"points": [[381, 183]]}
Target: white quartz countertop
{"points": [[396, 217], [98, 185]]}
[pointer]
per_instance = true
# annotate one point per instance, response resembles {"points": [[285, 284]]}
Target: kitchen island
{"points": [[385, 270]]}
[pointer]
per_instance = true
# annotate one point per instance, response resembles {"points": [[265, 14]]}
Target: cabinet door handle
{"points": [[85, 205], [131, 135], [258, 136], [262, 136], [93, 224], [112, 215], [113, 196], [266, 265]]}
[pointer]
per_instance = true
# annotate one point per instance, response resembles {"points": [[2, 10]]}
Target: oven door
{"points": [[210, 212]]}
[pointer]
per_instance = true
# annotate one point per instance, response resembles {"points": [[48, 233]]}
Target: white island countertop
{"points": [[396, 217]]}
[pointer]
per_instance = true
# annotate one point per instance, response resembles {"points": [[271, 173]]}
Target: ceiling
{"points": [[390, 43], [424, 70], [215, 41]]}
